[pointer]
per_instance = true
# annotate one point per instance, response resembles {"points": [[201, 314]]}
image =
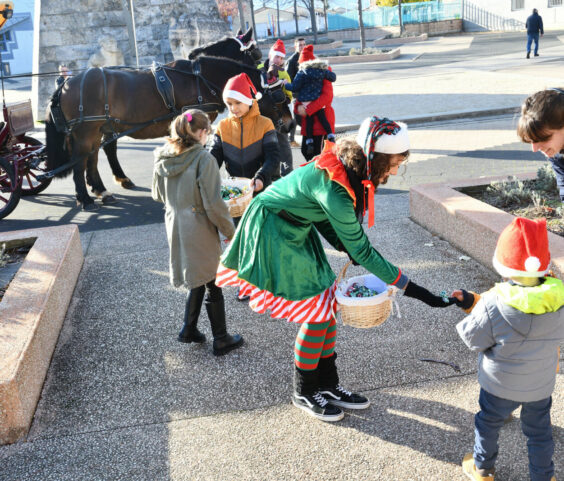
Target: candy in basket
{"points": [[364, 301], [237, 194]]}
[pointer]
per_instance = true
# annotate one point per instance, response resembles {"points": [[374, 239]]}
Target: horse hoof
{"points": [[125, 182], [109, 199], [90, 207]]}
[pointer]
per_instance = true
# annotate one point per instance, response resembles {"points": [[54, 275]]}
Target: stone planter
{"points": [[376, 57], [31, 315], [467, 223], [400, 40]]}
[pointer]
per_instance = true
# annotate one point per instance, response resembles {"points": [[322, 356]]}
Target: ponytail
{"points": [[184, 129]]}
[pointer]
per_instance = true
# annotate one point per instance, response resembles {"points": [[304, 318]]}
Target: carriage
{"points": [[22, 157]]}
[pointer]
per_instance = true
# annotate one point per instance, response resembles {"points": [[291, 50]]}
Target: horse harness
{"points": [[165, 90]]}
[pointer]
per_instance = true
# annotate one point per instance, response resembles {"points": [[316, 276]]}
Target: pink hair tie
{"points": [[188, 116]]}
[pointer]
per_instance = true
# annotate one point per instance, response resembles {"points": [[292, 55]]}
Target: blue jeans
{"points": [[535, 423], [530, 38]]}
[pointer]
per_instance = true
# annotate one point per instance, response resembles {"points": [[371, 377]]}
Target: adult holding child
{"points": [[321, 104], [276, 256], [186, 179]]}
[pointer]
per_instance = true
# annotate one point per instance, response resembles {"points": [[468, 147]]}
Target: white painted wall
{"points": [[20, 54], [497, 15]]}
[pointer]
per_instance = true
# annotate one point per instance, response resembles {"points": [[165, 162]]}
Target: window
{"points": [[518, 4], [4, 39], [554, 3]]}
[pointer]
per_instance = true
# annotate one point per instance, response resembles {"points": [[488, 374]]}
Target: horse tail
{"points": [[57, 151]]}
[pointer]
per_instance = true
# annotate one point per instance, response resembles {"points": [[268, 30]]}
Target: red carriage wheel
{"points": [[34, 167], [10, 191]]}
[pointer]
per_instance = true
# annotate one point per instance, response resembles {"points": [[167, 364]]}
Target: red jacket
{"points": [[324, 100]]}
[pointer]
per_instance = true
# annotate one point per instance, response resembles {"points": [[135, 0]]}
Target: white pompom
{"points": [[258, 96], [532, 264]]}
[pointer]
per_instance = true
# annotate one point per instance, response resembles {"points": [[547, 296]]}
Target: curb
{"points": [[463, 114]]}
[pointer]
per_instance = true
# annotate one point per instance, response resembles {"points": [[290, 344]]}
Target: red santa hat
{"points": [[307, 54], [278, 49], [522, 249], [241, 88]]}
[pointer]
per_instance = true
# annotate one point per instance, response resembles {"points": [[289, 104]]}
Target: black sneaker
{"points": [[318, 407], [339, 396]]}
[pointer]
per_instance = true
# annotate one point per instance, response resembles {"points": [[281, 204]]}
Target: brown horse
{"points": [[241, 48], [116, 101]]}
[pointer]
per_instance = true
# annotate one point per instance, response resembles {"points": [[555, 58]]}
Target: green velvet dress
{"points": [[283, 255]]}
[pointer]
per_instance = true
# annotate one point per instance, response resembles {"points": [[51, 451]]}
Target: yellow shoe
{"points": [[470, 470], [294, 144], [553, 478]]}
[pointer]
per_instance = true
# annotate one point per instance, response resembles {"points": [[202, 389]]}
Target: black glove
{"points": [[418, 292], [468, 300]]}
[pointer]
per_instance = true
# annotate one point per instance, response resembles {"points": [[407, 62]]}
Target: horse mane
{"points": [[198, 50]]}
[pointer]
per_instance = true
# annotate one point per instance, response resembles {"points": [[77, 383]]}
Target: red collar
{"points": [[329, 162]]}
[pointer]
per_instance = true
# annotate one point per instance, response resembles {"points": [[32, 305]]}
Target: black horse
{"points": [[132, 100], [241, 48]]}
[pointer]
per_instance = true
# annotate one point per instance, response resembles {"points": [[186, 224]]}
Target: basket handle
{"points": [[343, 272]]}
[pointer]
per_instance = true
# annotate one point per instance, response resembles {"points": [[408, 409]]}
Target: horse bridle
{"points": [[247, 49]]}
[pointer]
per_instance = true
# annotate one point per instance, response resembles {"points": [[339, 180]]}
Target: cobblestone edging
{"points": [[467, 223], [31, 315]]}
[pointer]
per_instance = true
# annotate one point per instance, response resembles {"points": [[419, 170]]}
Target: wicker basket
{"points": [[364, 312], [238, 205]]}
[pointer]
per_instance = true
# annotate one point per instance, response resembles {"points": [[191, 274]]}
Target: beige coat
{"points": [[190, 187]]}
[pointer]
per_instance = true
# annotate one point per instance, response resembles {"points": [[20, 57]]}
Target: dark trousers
{"points": [[317, 144], [320, 114], [530, 38], [535, 423]]}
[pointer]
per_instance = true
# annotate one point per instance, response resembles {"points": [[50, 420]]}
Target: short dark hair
{"points": [[541, 112], [535, 10], [299, 39]]}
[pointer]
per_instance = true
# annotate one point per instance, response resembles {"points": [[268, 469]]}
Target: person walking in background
{"points": [[307, 85], [534, 28], [516, 327], [186, 179], [292, 69]]}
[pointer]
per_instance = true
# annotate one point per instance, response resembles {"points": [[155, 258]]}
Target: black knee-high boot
{"points": [[331, 390], [307, 397], [222, 341], [189, 332]]}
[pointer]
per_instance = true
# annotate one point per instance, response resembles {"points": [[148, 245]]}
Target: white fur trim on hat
{"points": [[277, 53], [386, 144], [234, 94], [532, 264]]}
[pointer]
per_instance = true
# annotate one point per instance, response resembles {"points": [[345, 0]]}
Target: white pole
{"points": [[134, 32]]}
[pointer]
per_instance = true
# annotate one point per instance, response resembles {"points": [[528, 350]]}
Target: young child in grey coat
{"points": [[516, 327], [186, 179]]}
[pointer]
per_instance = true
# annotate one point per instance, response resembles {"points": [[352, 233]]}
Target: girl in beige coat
{"points": [[186, 179]]}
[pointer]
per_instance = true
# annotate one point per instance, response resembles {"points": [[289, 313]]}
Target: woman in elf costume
{"points": [[276, 256]]}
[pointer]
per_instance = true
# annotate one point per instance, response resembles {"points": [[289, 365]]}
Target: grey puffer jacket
{"points": [[190, 187], [519, 352]]}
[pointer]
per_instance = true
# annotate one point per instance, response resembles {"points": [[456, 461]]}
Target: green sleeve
{"points": [[326, 230], [339, 209]]}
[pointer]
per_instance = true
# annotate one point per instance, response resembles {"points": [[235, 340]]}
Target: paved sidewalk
{"points": [[496, 85], [124, 400]]}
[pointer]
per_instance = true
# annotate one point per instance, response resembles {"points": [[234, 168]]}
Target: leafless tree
{"points": [[241, 14], [325, 5], [252, 7], [296, 17], [361, 27], [310, 5]]}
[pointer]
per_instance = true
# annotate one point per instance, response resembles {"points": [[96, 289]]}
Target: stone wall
{"points": [[434, 28], [68, 32]]}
